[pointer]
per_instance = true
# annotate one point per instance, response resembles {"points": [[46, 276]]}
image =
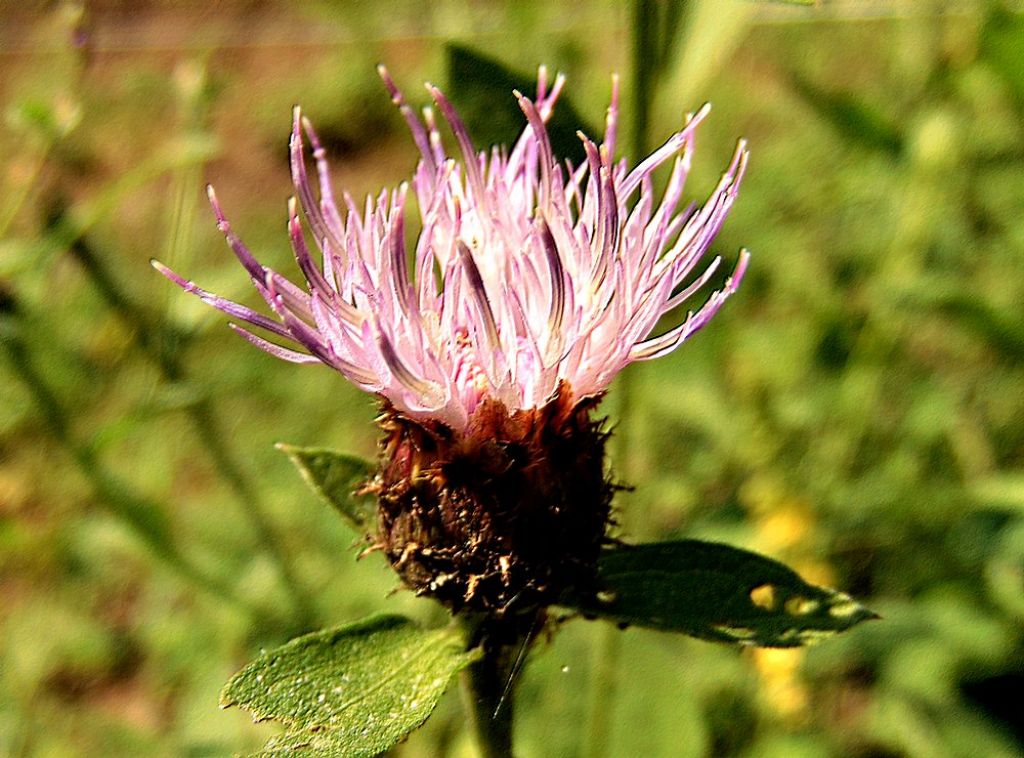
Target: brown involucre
{"points": [[501, 517]]}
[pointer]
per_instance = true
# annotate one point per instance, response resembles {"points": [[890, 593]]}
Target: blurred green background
{"points": [[856, 410]]}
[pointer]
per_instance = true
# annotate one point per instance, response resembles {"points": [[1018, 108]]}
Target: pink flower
{"points": [[527, 275]]}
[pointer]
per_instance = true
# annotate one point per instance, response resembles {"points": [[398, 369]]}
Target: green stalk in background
{"points": [[608, 640], [670, 42], [162, 344]]}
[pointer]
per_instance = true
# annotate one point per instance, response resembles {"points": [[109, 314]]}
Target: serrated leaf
{"points": [[337, 478], [718, 593], [350, 691]]}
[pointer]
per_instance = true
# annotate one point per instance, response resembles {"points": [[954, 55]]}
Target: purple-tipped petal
{"points": [[277, 351], [419, 134], [469, 155], [527, 275]]}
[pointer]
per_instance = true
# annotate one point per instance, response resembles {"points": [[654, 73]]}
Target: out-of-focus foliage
{"points": [[855, 410]]}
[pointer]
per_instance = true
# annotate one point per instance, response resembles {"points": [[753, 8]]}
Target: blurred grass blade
{"points": [[673, 14], [707, 34], [178, 153], [851, 117], [74, 223], [161, 342], [995, 326], [718, 593], [1000, 47], [337, 478], [353, 690], [145, 518], [1003, 490]]}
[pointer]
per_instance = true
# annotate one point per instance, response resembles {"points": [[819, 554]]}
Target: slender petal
{"points": [[527, 275]]}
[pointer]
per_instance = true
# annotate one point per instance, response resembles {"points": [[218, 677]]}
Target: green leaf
{"points": [[481, 88], [337, 478], [354, 690], [718, 593]]}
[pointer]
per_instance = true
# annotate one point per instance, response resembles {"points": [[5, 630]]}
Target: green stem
{"points": [[647, 58], [488, 684], [604, 681], [644, 50], [161, 344], [21, 192], [488, 710]]}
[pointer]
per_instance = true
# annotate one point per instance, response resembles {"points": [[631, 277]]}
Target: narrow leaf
{"points": [[351, 691], [994, 325], [852, 117], [718, 593], [338, 479]]}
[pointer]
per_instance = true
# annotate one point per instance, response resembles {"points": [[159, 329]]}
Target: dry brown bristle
{"points": [[503, 517]]}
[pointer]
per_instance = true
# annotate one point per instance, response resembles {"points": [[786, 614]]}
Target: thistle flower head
{"points": [[530, 285], [528, 274]]}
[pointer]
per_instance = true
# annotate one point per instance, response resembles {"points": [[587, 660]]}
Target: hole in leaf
{"points": [[737, 633], [763, 596], [798, 605], [843, 607]]}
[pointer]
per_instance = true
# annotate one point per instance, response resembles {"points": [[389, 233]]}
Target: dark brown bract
{"points": [[502, 517]]}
